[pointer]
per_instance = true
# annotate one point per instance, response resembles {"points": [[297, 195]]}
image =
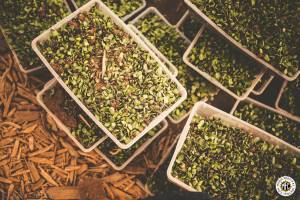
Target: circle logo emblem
{"points": [[285, 186]]}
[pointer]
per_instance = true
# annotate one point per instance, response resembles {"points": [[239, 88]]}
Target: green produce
{"points": [[163, 36], [172, 45], [120, 7], [269, 28], [228, 163], [118, 81], [67, 110], [276, 124], [23, 20], [216, 57], [197, 89], [290, 99], [119, 156]]}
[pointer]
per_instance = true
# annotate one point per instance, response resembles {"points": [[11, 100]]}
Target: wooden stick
{"points": [[47, 177]]}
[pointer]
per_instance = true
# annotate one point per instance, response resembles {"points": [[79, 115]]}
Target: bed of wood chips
{"points": [[38, 161]]}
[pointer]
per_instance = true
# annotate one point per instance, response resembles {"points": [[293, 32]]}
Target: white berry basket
{"points": [[169, 65], [212, 79], [106, 11], [205, 110], [49, 85], [173, 68], [152, 46], [261, 105], [242, 48]]}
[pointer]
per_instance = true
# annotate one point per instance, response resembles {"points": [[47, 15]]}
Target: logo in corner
{"points": [[285, 186]]}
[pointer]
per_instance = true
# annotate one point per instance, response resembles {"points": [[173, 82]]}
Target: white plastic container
{"points": [[280, 109], [26, 71], [126, 17], [152, 46], [105, 10], [173, 68], [259, 104], [212, 79], [263, 87], [49, 85], [206, 110], [169, 65], [212, 24], [137, 151]]}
